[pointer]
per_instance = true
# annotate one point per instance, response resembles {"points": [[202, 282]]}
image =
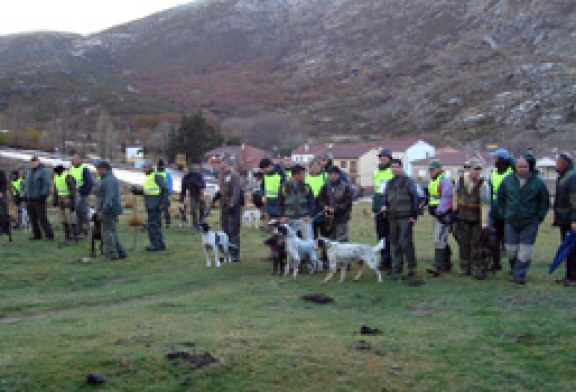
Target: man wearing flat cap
{"points": [[155, 194], [108, 208], [335, 200], [565, 209], [472, 194]]}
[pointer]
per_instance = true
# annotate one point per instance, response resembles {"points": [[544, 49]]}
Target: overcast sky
{"points": [[76, 16]]}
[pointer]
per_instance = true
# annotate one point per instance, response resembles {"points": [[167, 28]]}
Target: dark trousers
{"points": [[402, 244], [154, 226], [571, 259], [196, 209], [38, 213], [230, 222], [383, 231], [166, 213], [498, 227]]}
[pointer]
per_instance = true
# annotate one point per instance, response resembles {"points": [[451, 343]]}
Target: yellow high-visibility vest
{"points": [[272, 185], [381, 178], [151, 187], [496, 180], [77, 173], [316, 182], [60, 183], [17, 186], [434, 190]]}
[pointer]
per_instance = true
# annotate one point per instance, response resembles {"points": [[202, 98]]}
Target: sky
{"points": [[75, 16]]}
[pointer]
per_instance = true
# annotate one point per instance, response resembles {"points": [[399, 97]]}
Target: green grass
{"points": [[62, 319]]}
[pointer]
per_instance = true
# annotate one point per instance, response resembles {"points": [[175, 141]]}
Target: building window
{"points": [[343, 164], [353, 167]]}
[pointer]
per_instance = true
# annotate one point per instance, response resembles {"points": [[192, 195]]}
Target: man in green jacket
{"points": [[37, 189], [523, 202], [155, 193], [109, 207]]}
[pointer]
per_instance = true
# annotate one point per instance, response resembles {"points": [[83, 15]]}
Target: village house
{"points": [[453, 163]]}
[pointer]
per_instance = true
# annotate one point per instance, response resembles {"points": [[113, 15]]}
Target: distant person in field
{"points": [[84, 184], [400, 203], [231, 198], [37, 190], [109, 208], [193, 185], [503, 166], [296, 203], [155, 193], [523, 202], [382, 175], [316, 179], [565, 209], [18, 198], [440, 206], [4, 216], [65, 200], [162, 170], [472, 194], [335, 200], [273, 177]]}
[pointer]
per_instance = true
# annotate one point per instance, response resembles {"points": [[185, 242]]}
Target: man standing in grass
{"points": [[37, 189], [109, 207], [84, 184], [470, 196], [382, 174], [440, 193], [297, 203], [155, 194], [523, 202], [231, 201], [400, 203], [335, 200], [565, 209], [65, 201]]}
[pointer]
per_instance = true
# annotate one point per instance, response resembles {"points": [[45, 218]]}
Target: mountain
{"points": [[451, 70]]}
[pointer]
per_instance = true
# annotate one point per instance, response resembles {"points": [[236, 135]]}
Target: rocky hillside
{"points": [[486, 70]]}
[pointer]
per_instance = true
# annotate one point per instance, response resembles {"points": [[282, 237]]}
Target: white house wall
{"points": [[420, 150]]}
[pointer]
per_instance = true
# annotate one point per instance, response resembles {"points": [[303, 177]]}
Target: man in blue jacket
{"points": [[37, 189], [523, 202], [109, 207]]}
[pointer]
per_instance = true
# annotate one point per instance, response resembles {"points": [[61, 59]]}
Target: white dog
{"points": [[218, 243], [298, 249], [343, 254], [252, 218]]}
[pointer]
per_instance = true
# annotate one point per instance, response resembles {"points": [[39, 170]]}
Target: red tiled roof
{"points": [[247, 156]]}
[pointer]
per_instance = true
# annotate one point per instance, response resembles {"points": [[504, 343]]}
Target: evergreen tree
{"points": [[194, 138]]}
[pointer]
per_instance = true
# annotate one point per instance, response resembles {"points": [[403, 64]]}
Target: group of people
{"points": [[317, 202], [509, 205], [30, 192]]}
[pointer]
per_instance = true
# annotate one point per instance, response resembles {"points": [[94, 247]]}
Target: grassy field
{"points": [[62, 319]]}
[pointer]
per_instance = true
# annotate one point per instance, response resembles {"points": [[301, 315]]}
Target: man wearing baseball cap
{"points": [[37, 189]]}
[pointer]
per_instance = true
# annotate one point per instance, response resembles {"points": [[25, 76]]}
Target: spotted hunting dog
{"points": [[298, 249], [343, 254], [217, 242]]}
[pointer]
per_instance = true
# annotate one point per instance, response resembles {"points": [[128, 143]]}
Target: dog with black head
{"points": [[216, 242]]}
